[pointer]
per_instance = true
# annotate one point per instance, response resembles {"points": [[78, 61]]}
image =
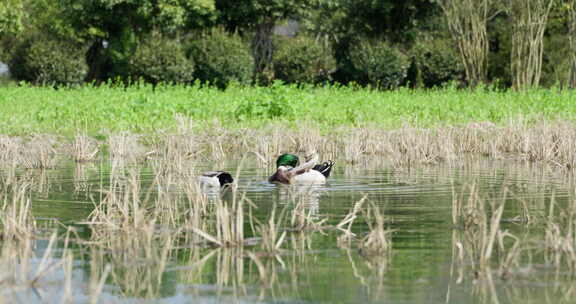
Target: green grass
{"points": [[141, 109]]}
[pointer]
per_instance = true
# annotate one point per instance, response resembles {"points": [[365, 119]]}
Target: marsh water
{"points": [[314, 267]]}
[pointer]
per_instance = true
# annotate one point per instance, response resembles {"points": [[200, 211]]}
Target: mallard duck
{"points": [[215, 179], [289, 172]]}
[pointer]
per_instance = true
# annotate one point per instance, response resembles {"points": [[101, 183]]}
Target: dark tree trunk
{"points": [[95, 60], [262, 51]]}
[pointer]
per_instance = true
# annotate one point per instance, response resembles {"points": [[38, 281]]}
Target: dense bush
{"points": [[436, 62], [221, 58], [49, 61], [302, 60], [159, 59], [378, 64]]}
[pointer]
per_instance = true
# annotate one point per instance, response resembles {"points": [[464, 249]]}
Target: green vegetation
{"points": [[141, 108], [377, 43]]}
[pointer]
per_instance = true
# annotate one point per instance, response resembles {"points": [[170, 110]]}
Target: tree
{"points": [[467, 20], [114, 27], [529, 19], [260, 16], [571, 7]]}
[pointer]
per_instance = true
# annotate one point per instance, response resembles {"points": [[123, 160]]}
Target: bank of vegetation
{"points": [[145, 109]]}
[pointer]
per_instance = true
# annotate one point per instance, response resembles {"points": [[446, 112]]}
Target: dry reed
{"points": [[482, 232], [550, 142], [305, 219], [15, 217], [346, 223], [84, 148], [269, 231], [378, 241], [39, 153], [228, 225]]}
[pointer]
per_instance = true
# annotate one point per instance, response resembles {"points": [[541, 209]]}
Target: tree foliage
{"points": [[11, 15]]}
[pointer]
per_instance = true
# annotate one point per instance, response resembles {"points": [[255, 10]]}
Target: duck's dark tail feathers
{"points": [[324, 168], [224, 178]]}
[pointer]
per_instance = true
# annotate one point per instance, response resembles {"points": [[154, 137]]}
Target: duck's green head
{"points": [[287, 160]]}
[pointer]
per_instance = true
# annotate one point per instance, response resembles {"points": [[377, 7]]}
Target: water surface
{"points": [[312, 268]]}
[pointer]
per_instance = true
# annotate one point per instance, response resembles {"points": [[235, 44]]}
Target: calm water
{"points": [[313, 269]]}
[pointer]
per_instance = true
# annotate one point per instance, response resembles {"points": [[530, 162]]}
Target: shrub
{"points": [[221, 58], [42, 60], [436, 62], [378, 64], [159, 59], [302, 60]]}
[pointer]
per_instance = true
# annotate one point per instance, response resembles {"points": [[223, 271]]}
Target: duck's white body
{"points": [[208, 181], [309, 177], [215, 179]]}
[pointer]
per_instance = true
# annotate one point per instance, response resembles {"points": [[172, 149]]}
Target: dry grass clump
{"points": [[39, 153], [9, 150], [481, 233], [378, 241], [15, 217], [228, 228], [174, 151], [125, 147], [23, 271], [409, 146], [305, 219], [84, 148], [345, 225], [269, 231], [560, 235], [136, 258], [121, 205]]}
